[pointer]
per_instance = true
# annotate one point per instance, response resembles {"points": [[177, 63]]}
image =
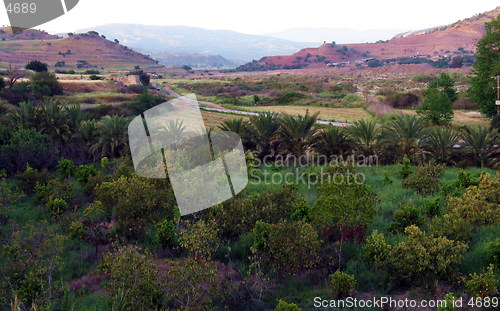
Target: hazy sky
{"points": [[263, 16]]}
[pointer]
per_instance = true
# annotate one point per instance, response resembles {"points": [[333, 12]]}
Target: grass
{"points": [[335, 114]]}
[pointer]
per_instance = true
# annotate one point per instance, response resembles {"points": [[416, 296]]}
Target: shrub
{"points": [[405, 169], [37, 66], [479, 204], [493, 252], [452, 227], [56, 207], [419, 256], [200, 239], [84, 172], [287, 247], [133, 280], [45, 84], [407, 214], [449, 303], [165, 232], [483, 284], [343, 284], [285, 306], [95, 77], [32, 177], [65, 168], [426, 179]]}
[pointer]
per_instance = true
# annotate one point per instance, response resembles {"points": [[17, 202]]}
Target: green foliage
{"points": [[452, 227], [405, 169], [45, 84], [84, 172], [344, 203], [487, 66], [343, 284], [200, 239], [133, 280], [425, 180], [239, 215], [406, 215], [289, 247], [37, 66], [449, 303], [135, 202], [479, 204], [65, 168], [493, 252], [285, 306], [7, 192], [483, 284], [56, 207], [144, 101], [419, 256], [437, 107], [165, 232], [32, 177]]}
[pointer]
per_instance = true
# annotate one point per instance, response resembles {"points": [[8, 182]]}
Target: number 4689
{"points": [[23, 8]]}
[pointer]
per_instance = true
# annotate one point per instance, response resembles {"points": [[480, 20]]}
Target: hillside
{"points": [[459, 38], [7, 34], [189, 59], [79, 51], [237, 47]]}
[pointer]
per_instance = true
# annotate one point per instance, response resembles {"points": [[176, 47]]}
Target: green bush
{"points": [[200, 239], [483, 284], [426, 179], [405, 169], [165, 232], [407, 214], [84, 172], [287, 247], [493, 252], [343, 284], [32, 177], [285, 306], [65, 168], [56, 207]]}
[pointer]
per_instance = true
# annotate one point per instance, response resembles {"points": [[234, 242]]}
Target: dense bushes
{"points": [[286, 246], [426, 179]]}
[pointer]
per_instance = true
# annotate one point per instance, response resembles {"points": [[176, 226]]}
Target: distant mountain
{"points": [[192, 60], [234, 46], [344, 35], [79, 51], [457, 39]]}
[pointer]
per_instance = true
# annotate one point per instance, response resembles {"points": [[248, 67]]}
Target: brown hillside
{"points": [[93, 49], [7, 34], [455, 39]]}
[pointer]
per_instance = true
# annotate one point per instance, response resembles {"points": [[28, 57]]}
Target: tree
{"points": [[441, 142], [45, 84], [487, 66], [405, 133], [333, 140], [37, 66], [297, 133], [289, 247], [437, 107], [262, 132], [478, 139], [112, 140], [365, 136]]}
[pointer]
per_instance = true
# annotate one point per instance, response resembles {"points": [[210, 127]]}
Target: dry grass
{"points": [[213, 119], [462, 117], [336, 114]]}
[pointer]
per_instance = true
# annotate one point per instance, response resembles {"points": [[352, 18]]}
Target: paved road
{"points": [[165, 89]]}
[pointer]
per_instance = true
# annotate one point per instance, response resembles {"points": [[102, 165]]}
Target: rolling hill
{"points": [[459, 38], [84, 50], [234, 46]]}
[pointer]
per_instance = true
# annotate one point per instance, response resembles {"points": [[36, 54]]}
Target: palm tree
{"points": [[365, 136], [52, 120], [262, 132], [404, 133], [478, 139], [333, 140], [237, 126], [441, 142], [74, 116], [297, 134], [23, 115], [112, 138]]}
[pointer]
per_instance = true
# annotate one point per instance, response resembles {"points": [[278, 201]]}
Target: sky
{"points": [[266, 16]]}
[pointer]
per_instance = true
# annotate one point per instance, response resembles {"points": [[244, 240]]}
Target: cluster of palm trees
{"points": [[72, 130], [403, 135]]}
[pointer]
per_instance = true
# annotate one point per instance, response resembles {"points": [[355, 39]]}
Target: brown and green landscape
{"points": [[373, 172]]}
